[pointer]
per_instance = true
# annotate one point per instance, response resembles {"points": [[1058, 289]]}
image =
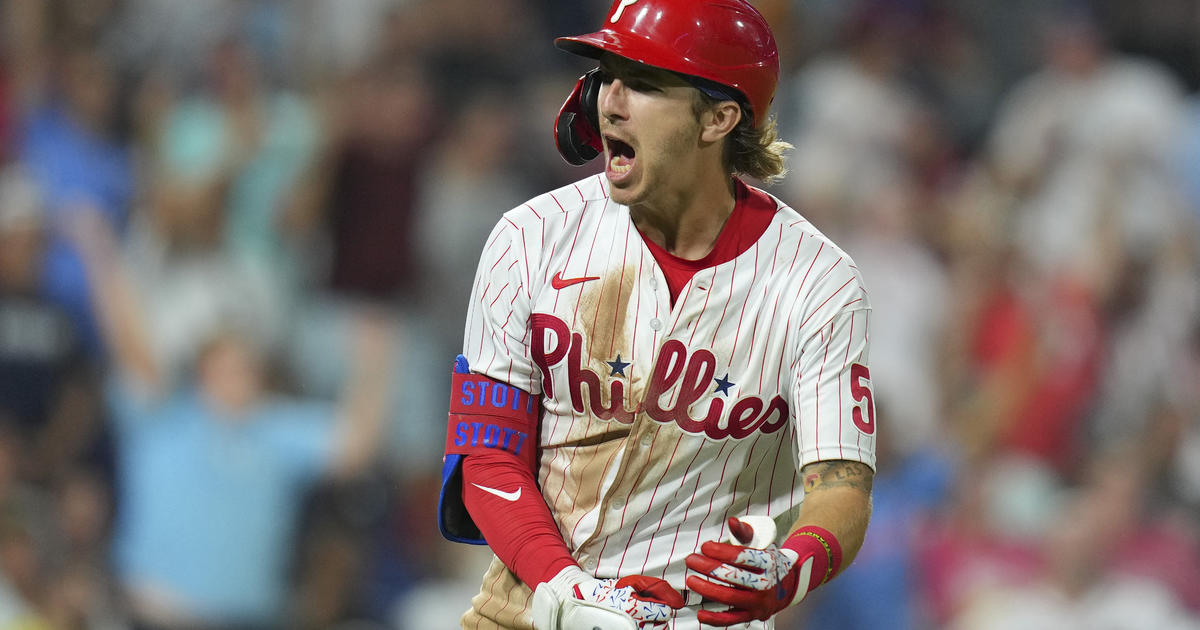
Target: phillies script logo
{"points": [[692, 374]]}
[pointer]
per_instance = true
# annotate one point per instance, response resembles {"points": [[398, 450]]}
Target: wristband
{"points": [[822, 546]]}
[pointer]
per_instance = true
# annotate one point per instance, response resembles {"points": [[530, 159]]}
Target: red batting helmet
{"points": [[726, 42]]}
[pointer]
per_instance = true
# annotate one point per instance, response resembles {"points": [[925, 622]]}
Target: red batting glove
{"points": [[757, 583]]}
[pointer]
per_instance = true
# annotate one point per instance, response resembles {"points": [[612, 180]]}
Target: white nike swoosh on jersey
{"points": [[507, 496]]}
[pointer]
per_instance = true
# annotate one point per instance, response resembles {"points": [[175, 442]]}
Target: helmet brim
{"points": [[594, 45]]}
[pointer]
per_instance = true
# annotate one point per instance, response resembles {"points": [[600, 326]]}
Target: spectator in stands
{"points": [[213, 466], [1078, 586], [48, 388], [70, 144]]}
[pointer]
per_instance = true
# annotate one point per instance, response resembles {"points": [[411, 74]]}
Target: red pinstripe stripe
{"points": [[587, 265], [525, 606], [637, 307], [728, 299], [525, 267], [737, 335], [795, 478], [491, 594], [762, 368], [678, 528], [507, 602], [817, 387], [499, 294], [775, 465], [779, 372], [549, 256], [737, 481], [666, 505], [658, 308], [633, 529], [788, 327], [866, 343], [835, 316], [696, 324], [574, 240], [500, 258], [612, 344], [712, 495], [775, 254], [827, 271], [818, 308], [795, 257], [563, 452], [600, 299], [757, 315], [495, 236], [677, 309], [845, 360], [810, 266], [600, 503]]}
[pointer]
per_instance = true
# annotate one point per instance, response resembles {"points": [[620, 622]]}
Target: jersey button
{"points": [[617, 504], [647, 439], [656, 323]]}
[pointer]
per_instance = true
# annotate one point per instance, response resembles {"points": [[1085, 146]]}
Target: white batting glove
{"points": [[574, 600]]}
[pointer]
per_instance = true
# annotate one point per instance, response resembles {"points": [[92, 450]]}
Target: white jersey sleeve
{"points": [[835, 406], [833, 402], [496, 340]]}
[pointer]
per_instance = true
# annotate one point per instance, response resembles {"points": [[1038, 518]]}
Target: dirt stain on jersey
{"points": [[604, 317], [572, 481], [608, 303]]}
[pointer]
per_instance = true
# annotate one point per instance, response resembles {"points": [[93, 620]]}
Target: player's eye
{"points": [[640, 85]]}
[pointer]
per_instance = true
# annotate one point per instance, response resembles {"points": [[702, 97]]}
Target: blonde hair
{"points": [[756, 152]]}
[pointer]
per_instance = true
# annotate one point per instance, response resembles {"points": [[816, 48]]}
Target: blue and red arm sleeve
{"points": [[489, 489], [486, 416]]}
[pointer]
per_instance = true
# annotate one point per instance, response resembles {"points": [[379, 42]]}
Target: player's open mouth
{"points": [[620, 156]]}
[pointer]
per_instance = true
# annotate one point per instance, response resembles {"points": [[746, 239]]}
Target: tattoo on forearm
{"points": [[837, 473]]}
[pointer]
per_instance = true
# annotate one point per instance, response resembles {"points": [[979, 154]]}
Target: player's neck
{"points": [[686, 222]]}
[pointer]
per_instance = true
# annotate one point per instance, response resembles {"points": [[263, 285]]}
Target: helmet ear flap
{"points": [[576, 128]]}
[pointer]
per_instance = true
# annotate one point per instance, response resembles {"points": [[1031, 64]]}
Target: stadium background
{"points": [[1019, 182]]}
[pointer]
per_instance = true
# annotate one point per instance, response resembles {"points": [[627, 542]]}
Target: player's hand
{"points": [[574, 600], [754, 582]]}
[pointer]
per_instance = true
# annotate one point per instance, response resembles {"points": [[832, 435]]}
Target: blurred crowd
{"points": [[237, 238]]}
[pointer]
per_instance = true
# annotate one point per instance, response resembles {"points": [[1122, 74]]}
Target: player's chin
{"points": [[623, 192]]}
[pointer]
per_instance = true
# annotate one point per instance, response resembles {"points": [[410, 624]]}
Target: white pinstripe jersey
{"points": [[659, 422]]}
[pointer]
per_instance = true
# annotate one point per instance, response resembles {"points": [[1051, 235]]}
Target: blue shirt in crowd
{"points": [[208, 507], [72, 165]]}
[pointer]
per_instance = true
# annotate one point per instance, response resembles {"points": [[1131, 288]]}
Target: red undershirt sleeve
{"points": [[502, 496]]}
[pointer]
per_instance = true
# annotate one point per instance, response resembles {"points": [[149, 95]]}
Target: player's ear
{"points": [[719, 120]]}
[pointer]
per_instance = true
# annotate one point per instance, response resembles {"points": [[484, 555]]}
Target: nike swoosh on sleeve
{"points": [[507, 496]]}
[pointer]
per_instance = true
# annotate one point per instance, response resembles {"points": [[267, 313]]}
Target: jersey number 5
{"points": [[862, 393]]}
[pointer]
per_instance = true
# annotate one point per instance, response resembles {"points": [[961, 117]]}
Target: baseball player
{"points": [[663, 366]]}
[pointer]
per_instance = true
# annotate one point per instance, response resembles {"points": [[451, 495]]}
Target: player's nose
{"points": [[612, 102]]}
